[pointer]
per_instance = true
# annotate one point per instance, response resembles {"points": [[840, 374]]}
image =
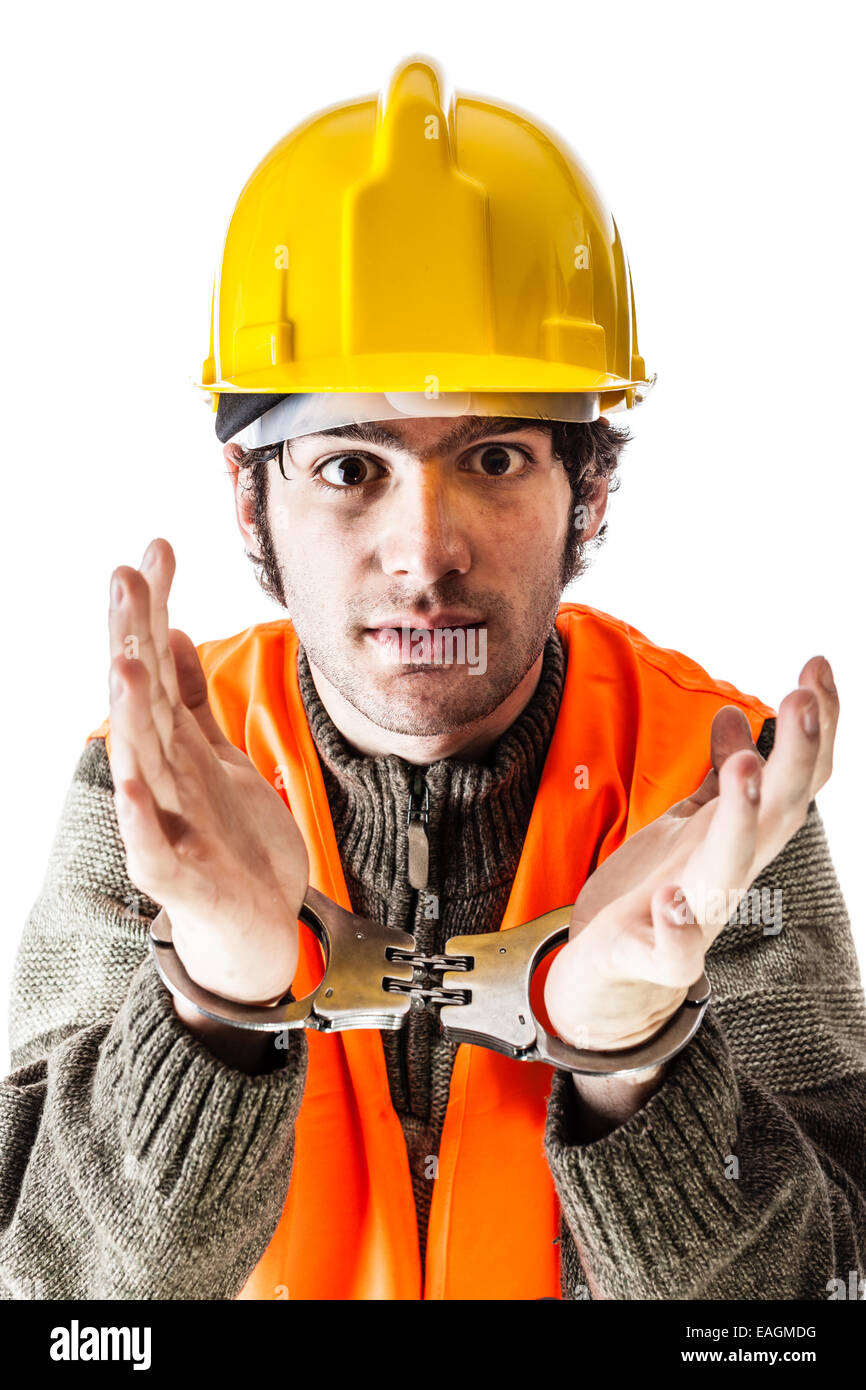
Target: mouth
{"points": [[397, 634], [426, 622], [426, 643], [425, 627]]}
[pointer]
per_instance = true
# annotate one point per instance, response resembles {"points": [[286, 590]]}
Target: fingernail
{"points": [[118, 593], [827, 677], [810, 719], [148, 558]]}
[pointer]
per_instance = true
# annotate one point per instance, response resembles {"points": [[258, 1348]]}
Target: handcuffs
{"points": [[481, 984]]}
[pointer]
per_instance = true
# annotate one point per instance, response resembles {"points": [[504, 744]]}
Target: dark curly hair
{"points": [[588, 453]]}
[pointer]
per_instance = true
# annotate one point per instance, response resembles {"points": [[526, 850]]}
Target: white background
{"points": [[727, 141]]}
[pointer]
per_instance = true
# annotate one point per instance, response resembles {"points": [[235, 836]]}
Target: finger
{"points": [[158, 567], [131, 636], [786, 788], [817, 676], [152, 861], [708, 789], [122, 756], [721, 868], [730, 733], [135, 739], [192, 685]]}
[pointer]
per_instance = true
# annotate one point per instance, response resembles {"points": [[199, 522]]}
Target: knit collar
{"points": [[478, 811]]}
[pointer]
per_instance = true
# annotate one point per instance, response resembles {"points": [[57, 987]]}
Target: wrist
{"points": [[602, 1103], [242, 1049], [254, 990]]}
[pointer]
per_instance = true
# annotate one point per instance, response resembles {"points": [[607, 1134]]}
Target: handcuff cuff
{"points": [[481, 985]]}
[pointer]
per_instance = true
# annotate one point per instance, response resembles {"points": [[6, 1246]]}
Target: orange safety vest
{"points": [[632, 736]]}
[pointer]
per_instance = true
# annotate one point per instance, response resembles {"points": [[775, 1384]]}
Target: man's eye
{"points": [[346, 470], [496, 460]]}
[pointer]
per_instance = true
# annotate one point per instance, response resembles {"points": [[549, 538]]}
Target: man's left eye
{"points": [[496, 459]]}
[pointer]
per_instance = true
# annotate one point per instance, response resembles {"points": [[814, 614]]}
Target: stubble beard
{"points": [[395, 702]]}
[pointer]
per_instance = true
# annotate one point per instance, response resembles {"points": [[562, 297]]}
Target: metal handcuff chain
{"points": [[374, 976]]}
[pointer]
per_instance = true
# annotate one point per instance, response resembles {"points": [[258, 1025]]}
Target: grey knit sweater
{"points": [[134, 1164]]}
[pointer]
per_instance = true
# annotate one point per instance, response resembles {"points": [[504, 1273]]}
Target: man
{"points": [[156, 1152]]}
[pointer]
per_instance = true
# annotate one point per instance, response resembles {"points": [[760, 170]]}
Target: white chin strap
{"points": [[309, 414]]}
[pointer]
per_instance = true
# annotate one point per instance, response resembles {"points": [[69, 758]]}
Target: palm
{"points": [[206, 835], [627, 964]]}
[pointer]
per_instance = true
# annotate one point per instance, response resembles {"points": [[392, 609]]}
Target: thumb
{"points": [[678, 940]]}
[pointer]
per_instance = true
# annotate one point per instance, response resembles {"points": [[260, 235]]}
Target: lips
{"points": [[427, 622]]}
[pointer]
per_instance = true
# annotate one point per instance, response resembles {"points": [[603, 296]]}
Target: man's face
{"points": [[422, 524]]}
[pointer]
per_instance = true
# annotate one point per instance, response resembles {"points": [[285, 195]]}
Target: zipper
{"points": [[403, 1066], [418, 869], [417, 819], [419, 856], [419, 815]]}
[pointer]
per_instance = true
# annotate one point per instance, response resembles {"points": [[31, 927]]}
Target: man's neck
{"points": [[472, 742]]}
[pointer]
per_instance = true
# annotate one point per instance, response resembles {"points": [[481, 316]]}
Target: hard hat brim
{"points": [[422, 372]]}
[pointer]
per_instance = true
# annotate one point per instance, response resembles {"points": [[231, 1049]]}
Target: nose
{"points": [[424, 535]]}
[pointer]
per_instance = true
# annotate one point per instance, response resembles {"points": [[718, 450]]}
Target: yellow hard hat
{"points": [[384, 246]]}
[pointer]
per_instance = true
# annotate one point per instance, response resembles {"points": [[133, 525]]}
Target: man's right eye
{"points": [[343, 472]]}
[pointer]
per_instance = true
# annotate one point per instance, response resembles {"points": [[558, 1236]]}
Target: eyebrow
{"points": [[469, 428]]}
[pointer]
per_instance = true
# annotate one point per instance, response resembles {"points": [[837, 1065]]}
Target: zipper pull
{"points": [[419, 847]]}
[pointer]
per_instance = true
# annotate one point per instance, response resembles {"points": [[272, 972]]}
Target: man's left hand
{"points": [[646, 917]]}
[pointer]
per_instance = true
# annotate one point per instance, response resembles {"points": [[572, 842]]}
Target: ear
{"points": [[596, 504], [244, 508]]}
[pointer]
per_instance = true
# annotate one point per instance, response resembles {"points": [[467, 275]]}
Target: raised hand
{"points": [[643, 922], [206, 836]]}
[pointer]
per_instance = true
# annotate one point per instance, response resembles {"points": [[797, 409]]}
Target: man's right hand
{"points": [[206, 835]]}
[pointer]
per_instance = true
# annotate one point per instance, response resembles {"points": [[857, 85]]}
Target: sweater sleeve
{"points": [[133, 1163], [743, 1176]]}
